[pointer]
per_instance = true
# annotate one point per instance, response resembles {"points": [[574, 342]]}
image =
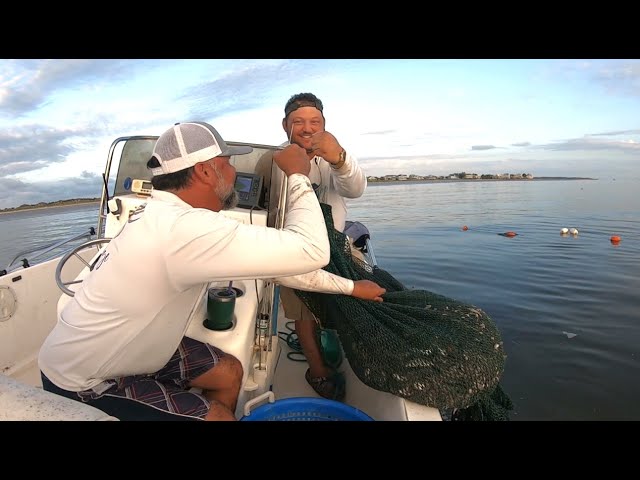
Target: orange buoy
{"points": [[615, 239], [510, 234], [465, 228]]}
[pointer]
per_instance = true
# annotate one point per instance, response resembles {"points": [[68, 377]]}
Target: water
{"points": [[535, 286], [29, 229]]}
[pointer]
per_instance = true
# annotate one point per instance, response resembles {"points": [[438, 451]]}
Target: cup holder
{"points": [[239, 292]]}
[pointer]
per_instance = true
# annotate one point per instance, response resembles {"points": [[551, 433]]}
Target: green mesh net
{"points": [[418, 345]]}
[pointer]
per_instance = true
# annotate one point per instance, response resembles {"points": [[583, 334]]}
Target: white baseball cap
{"points": [[186, 144]]}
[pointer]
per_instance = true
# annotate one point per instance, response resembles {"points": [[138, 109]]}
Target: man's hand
{"points": [[325, 145], [368, 290], [293, 159]]}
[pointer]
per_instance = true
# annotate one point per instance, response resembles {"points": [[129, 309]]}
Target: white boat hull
{"points": [[30, 299]]}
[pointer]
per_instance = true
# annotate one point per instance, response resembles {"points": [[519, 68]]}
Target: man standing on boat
{"points": [[336, 175], [119, 343]]}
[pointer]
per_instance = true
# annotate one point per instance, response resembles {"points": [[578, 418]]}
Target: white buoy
{"points": [[573, 231], [564, 231]]}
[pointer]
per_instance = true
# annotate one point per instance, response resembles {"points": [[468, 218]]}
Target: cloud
{"points": [[249, 86], [615, 133], [483, 147], [381, 132], [621, 77], [444, 165], [31, 147], [437, 164], [87, 103], [593, 144], [25, 85], [15, 192]]}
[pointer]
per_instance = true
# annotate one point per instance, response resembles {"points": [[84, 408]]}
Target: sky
{"points": [[547, 117]]}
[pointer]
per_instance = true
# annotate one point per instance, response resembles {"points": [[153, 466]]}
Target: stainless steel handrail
{"points": [[369, 254], [47, 249], [104, 198]]}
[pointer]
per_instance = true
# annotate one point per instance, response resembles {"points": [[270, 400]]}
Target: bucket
{"points": [[302, 409]]}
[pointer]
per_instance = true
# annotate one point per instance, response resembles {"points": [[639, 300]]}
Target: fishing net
{"points": [[418, 345]]}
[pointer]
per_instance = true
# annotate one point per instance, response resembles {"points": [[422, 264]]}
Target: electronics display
{"points": [[249, 188], [141, 187]]}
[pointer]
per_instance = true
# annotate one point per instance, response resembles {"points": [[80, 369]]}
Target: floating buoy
{"points": [[508, 234], [615, 239], [465, 228], [564, 231], [573, 231]]}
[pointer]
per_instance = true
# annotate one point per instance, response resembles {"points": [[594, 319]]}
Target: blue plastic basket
{"points": [[305, 409]]}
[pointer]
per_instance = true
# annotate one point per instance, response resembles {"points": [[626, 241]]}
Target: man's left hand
{"points": [[368, 290], [325, 145]]}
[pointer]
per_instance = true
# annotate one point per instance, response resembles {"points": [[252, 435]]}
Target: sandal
{"points": [[331, 387]]}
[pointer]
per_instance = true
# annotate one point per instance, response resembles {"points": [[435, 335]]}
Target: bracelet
{"points": [[343, 158]]}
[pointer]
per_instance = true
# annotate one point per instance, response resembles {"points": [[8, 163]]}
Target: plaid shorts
{"points": [[163, 395]]}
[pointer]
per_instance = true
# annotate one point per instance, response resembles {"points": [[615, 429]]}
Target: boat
{"points": [[33, 289]]}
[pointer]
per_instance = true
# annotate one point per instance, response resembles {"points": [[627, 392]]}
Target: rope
{"points": [[291, 338]]}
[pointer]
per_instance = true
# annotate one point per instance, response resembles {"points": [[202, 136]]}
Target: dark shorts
{"points": [[164, 395]]}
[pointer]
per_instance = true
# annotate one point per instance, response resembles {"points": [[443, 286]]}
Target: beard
{"points": [[226, 193], [228, 200]]}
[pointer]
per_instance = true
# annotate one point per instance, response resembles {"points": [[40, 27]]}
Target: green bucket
{"points": [[330, 347]]}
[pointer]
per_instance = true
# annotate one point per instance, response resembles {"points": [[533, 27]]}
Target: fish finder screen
{"points": [[243, 184], [249, 188]]}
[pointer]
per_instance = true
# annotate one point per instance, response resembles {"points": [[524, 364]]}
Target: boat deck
{"points": [[289, 382], [29, 374]]}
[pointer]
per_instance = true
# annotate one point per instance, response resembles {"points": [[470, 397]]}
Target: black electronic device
{"points": [[249, 188]]}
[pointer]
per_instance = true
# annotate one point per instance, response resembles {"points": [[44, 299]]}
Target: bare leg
{"points": [[221, 386], [306, 331], [305, 325], [219, 413]]}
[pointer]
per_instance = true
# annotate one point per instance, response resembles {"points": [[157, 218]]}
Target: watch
{"points": [[343, 158]]}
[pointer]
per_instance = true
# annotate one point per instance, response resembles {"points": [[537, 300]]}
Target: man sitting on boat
{"points": [[336, 175], [119, 344]]}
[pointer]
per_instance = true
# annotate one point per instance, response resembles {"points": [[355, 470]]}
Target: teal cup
{"points": [[221, 303]]}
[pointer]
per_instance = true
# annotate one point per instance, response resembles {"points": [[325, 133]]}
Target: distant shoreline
{"points": [[29, 209], [449, 180], [370, 182]]}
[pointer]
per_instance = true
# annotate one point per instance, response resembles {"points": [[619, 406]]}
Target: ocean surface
{"points": [[26, 230], [567, 307]]}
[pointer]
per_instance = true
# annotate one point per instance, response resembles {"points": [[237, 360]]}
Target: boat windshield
{"points": [[128, 162]]}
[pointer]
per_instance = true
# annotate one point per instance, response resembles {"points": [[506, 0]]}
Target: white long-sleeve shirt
{"points": [[334, 185], [122, 320]]}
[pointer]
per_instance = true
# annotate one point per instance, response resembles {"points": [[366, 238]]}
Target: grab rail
{"points": [[369, 253], [43, 250]]}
